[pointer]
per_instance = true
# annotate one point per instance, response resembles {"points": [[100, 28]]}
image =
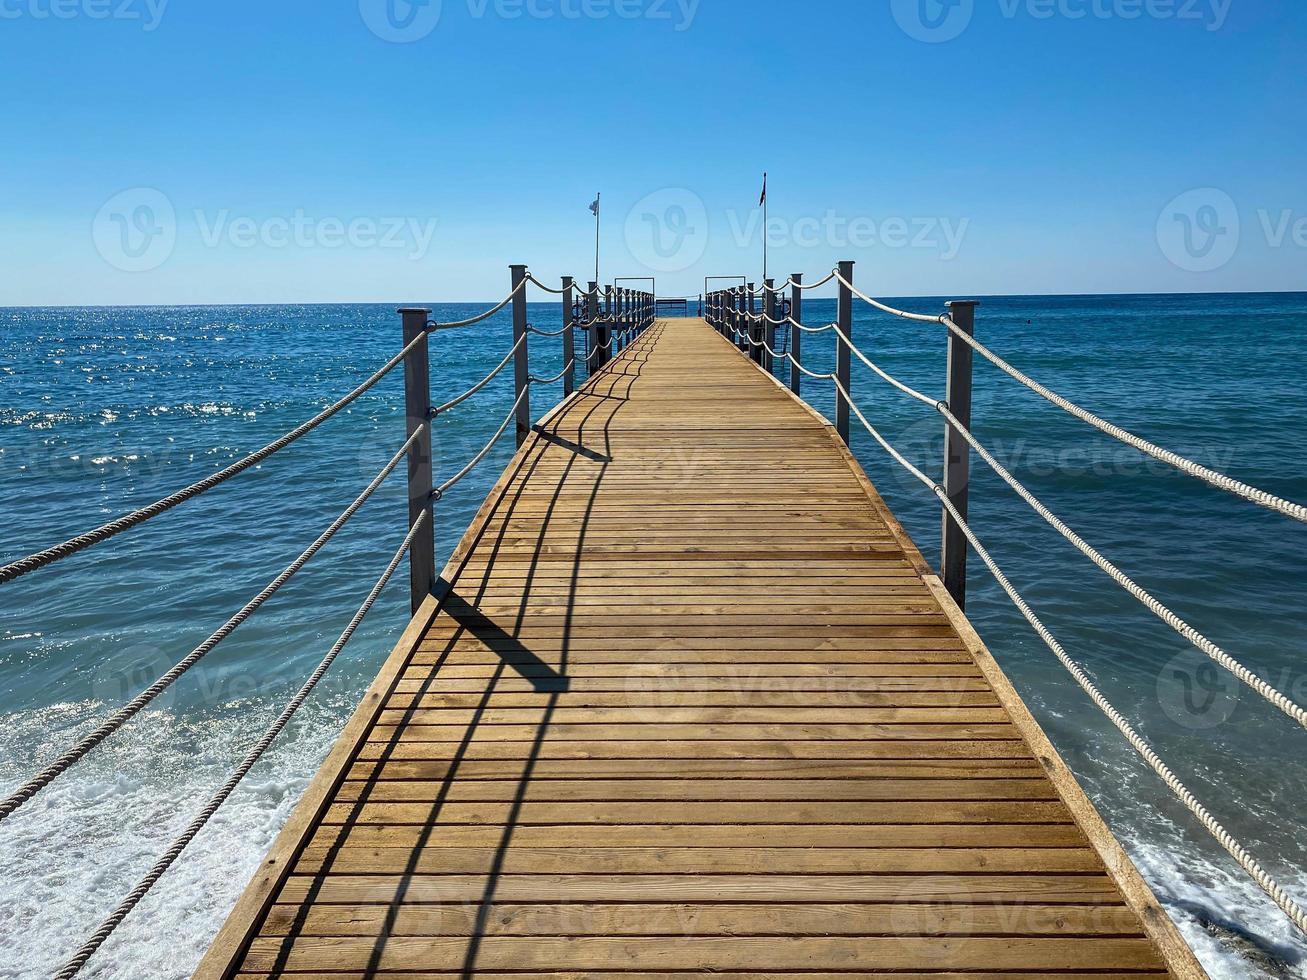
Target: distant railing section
{"points": [[608, 326], [734, 312]]}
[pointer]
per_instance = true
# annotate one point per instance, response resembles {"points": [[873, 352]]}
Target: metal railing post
{"points": [[796, 335], [417, 408], [740, 332], [592, 331], [521, 361], [769, 328], [607, 334], [957, 452], [843, 359], [623, 307], [752, 326], [569, 342]]}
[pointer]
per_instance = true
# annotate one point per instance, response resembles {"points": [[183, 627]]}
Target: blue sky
{"points": [[177, 151]]}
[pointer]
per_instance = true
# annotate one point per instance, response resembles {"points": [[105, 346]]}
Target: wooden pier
{"points": [[690, 702]]}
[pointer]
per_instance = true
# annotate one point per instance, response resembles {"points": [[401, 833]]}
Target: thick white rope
{"points": [[557, 377], [103, 533], [106, 929], [559, 291], [548, 333], [923, 317], [1240, 489], [811, 285], [1269, 885], [441, 490], [137, 704], [785, 356], [886, 377], [1150, 602], [1295, 912], [453, 403], [455, 324]]}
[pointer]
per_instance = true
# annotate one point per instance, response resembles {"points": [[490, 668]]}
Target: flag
{"points": [[763, 200], [594, 208]]}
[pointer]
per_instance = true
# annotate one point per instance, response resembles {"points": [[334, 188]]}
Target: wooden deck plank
{"points": [[693, 704]]}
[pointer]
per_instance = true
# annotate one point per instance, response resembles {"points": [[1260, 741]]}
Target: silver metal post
{"points": [[521, 361], [606, 336], [796, 335], [843, 359], [737, 305], [750, 326], [417, 408], [957, 452], [623, 314], [592, 331], [569, 343], [769, 328]]}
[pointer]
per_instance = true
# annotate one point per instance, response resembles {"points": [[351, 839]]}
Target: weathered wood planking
{"points": [[692, 704]]}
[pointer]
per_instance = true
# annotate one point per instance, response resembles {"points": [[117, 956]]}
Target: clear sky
{"points": [[179, 151]]}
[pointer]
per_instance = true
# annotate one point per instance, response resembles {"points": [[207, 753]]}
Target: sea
{"points": [[105, 409]]}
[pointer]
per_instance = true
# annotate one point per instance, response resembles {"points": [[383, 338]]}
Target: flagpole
{"points": [[764, 226], [598, 212]]}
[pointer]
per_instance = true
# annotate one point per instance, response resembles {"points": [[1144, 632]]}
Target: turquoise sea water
{"points": [[102, 410]]}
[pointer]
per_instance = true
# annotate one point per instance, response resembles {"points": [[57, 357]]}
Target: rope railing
{"points": [[1201, 642], [458, 477], [1227, 842], [548, 333], [1264, 880], [729, 317], [1239, 488], [124, 714], [1210, 476], [557, 377], [626, 313], [480, 317], [494, 373], [72, 546], [115, 919], [904, 314]]}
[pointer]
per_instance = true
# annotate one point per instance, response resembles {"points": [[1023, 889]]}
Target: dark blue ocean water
{"points": [[102, 410]]}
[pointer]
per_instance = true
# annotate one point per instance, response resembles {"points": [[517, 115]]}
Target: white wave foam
{"points": [[73, 853]]}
